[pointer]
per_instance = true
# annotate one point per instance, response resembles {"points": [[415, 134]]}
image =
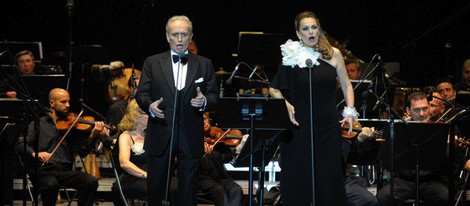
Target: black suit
{"points": [[157, 82]]}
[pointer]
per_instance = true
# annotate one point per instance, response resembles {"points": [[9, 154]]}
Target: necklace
{"points": [[136, 134]]}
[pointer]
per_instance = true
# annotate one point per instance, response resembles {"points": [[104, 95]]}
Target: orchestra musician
{"points": [[353, 68], [436, 107], [464, 84], [25, 62], [55, 166], [448, 92], [433, 189], [132, 156], [213, 177]]}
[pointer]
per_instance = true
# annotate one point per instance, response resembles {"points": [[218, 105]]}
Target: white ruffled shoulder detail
{"points": [[294, 53]]}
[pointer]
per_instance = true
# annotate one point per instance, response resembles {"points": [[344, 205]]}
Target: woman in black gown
{"points": [[292, 82]]}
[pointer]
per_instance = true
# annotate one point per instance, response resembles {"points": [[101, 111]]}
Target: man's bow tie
{"points": [[183, 58]]}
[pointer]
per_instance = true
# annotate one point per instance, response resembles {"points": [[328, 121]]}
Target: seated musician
{"points": [[464, 84], [353, 68], [448, 92], [436, 108], [25, 62], [358, 151], [432, 185], [117, 110], [132, 156], [213, 178], [54, 161]]}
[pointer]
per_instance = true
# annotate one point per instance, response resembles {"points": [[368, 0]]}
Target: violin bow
{"points": [[65, 135], [221, 136]]}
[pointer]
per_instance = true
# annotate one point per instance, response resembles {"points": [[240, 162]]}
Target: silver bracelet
{"points": [[350, 112]]}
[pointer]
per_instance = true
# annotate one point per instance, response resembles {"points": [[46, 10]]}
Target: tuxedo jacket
{"points": [[157, 82]]}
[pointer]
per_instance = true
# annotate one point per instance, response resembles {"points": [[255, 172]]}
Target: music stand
{"points": [[16, 46], [255, 114], [40, 85], [9, 131], [463, 98], [260, 48], [419, 140]]}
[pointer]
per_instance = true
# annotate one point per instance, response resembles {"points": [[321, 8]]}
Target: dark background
{"points": [[430, 39]]}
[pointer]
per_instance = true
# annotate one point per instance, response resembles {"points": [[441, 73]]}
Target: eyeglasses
{"points": [[28, 61]]}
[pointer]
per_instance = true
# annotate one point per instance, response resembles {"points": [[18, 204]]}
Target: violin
{"points": [[72, 121], [230, 137], [84, 123], [357, 127]]}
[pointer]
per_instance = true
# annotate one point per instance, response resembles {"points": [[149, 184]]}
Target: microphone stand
{"points": [[165, 202], [33, 109], [309, 64], [70, 7], [390, 112], [252, 80]]}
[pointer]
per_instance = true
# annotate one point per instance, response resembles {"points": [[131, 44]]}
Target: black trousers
{"points": [[50, 178]]}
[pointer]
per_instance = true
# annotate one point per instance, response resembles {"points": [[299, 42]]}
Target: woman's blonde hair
{"points": [[133, 113], [323, 46]]}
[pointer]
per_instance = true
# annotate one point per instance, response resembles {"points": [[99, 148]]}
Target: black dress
{"points": [[132, 186], [296, 172]]}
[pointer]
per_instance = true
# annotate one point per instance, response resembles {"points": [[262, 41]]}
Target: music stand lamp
{"points": [[255, 114]]}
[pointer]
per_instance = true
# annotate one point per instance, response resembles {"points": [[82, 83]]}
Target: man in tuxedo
{"points": [[175, 89]]}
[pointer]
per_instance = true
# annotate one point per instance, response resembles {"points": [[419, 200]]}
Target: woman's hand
{"points": [[291, 111], [349, 120]]}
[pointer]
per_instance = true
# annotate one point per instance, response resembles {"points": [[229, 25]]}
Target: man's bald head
{"points": [[59, 101], [56, 93]]}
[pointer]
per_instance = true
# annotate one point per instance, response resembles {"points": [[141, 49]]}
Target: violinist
{"points": [[449, 92], [433, 189], [436, 107], [52, 163], [213, 178]]}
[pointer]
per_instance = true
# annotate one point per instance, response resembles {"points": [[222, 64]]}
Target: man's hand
{"points": [[367, 132], [155, 110], [11, 94], [99, 129], [208, 148], [43, 156], [199, 100]]}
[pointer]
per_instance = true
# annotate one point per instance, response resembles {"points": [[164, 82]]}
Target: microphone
{"points": [[309, 63], [376, 105], [229, 80], [365, 94], [390, 80], [3, 52], [253, 72], [69, 5], [430, 96]]}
